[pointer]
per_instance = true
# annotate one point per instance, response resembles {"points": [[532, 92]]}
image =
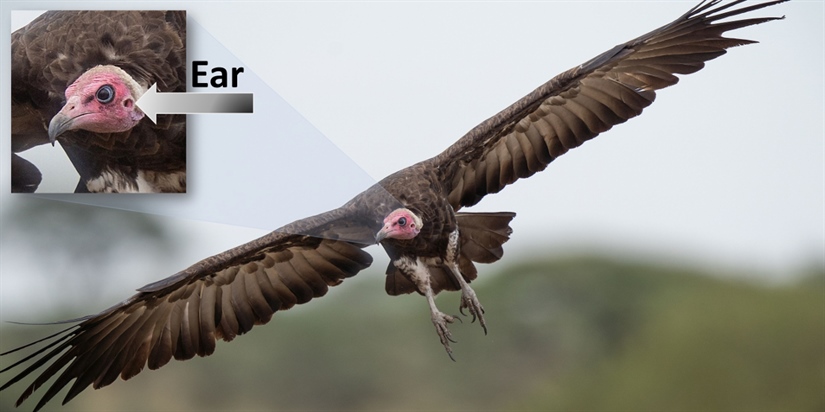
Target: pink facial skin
{"points": [[98, 101], [400, 224]]}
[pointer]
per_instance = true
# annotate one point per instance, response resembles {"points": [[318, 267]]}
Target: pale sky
{"points": [[725, 169]]}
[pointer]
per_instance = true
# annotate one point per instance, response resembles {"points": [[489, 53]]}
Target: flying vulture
{"points": [[415, 214], [75, 78]]}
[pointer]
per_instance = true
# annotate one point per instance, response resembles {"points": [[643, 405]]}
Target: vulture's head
{"points": [[400, 224], [101, 100]]}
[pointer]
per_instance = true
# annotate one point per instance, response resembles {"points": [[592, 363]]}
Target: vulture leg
{"points": [[440, 320], [420, 275], [469, 300]]}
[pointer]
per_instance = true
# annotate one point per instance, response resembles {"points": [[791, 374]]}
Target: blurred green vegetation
{"points": [[585, 333]]}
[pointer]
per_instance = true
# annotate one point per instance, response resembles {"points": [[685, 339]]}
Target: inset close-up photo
{"points": [[75, 79]]}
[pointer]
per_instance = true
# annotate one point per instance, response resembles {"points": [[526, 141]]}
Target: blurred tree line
{"points": [[585, 333]]}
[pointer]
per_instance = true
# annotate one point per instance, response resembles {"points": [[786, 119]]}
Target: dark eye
{"points": [[105, 94], [402, 221]]}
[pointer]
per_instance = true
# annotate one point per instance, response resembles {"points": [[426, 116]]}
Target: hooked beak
{"points": [[66, 119], [381, 235], [59, 124]]}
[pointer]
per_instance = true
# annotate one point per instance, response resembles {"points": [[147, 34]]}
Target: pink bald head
{"points": [[400, 224], [102, 100]]}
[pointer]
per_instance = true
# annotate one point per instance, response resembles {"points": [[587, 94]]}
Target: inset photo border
{"points": [[75, 79]]}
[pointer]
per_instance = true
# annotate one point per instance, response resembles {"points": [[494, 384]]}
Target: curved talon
{"points": [[440, 320], [450, 338], [450, 354], [471, 303]]}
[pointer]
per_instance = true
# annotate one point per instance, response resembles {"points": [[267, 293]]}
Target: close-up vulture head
{"points": [[400, 224], [102, 100], [76, 76]]}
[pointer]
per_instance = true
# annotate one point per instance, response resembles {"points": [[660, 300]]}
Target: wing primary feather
{"points": [[208, 320], [331, 274], [308, 274], [8, 352], [229, 323], [240, 303], [517, 154], [285, 295], [534, 144], [268, 291], [37, 364], [505, 168], [293, 282], [91, 366], [492, 176], [161, 352], [57, 322], [70, 357], [746, 10], [599, 109], [261, 309], [184, 348]]}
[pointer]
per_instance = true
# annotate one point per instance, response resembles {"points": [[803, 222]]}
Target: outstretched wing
{"points": [[217, 298], [582, 102]]}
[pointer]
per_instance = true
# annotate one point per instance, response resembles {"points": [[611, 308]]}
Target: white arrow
{"points": [[153, 103]]}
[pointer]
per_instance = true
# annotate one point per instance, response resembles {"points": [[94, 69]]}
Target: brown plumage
{"points": [[57, 48], [414, 214]]}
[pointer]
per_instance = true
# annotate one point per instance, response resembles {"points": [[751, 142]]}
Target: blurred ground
{"points": [[584, 333]]}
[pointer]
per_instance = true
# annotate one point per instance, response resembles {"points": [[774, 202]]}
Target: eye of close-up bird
{"points": [[105, 94]]}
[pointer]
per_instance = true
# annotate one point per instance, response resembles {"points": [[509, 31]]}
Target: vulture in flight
{"points": [[415, 214], [76, 76]]}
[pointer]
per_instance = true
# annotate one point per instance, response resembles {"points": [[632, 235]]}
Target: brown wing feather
{"points": [[217, 298], [582, 102]]}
